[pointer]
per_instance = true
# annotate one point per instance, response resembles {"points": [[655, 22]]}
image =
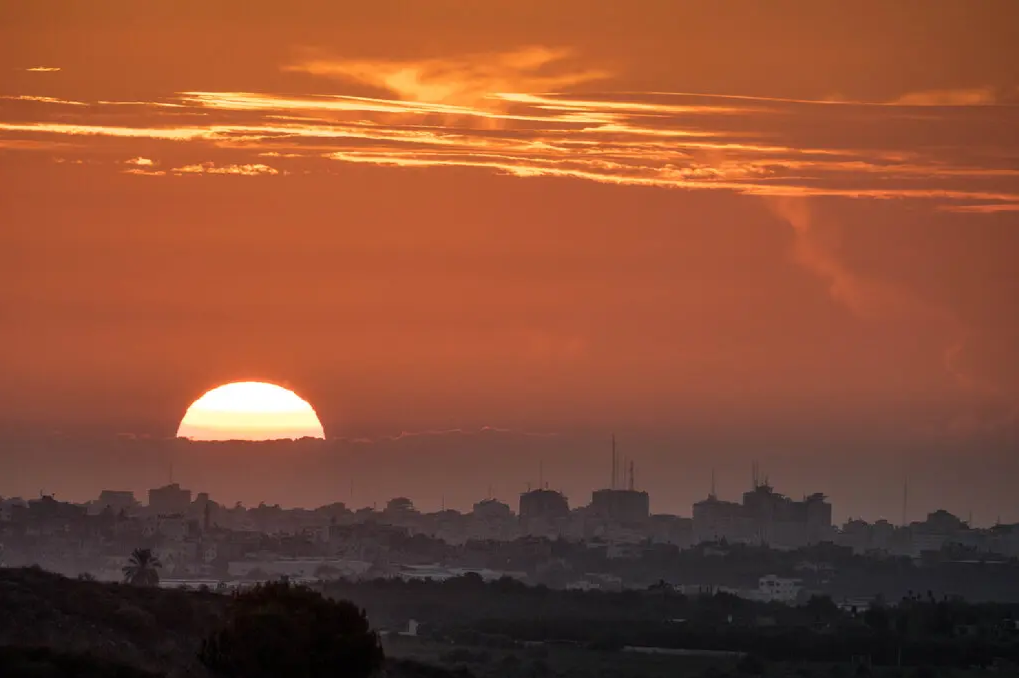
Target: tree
{"points": [[280, 629], [142, 568]]}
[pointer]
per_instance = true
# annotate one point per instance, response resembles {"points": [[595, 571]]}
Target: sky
{"points": [[481, 237]]}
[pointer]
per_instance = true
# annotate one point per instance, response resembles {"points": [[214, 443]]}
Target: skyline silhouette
{"points": [[725, 234]]}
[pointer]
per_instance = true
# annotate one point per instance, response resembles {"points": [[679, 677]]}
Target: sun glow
{"points": [[250, 410]]}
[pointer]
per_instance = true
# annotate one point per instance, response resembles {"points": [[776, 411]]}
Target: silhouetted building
{"points": [[169, 499], [116, 501], [543, 504], [717, 520], [764, 517], [621, 506], [492, 508]]}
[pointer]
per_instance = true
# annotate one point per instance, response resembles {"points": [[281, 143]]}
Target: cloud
{"points": [[989, 406], [250, 170], [167, 133], [867, 298], [981, 209], [753, 146], [432, 433], [43, 69], [139, 162], [468, 81], [977, 96], [44, 100], [145, 172]]}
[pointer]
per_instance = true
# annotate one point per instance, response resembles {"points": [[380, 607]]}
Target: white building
{"points": [[772, 588]]}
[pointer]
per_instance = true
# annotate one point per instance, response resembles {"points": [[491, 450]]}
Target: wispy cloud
{"points": [[467, 81], [43, 69], [755, 146], [140, 162], [44, 100], [433, 433], [976, 96], [248, 170]]}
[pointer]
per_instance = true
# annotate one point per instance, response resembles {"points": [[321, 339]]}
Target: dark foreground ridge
{"points": [[54, 626]]}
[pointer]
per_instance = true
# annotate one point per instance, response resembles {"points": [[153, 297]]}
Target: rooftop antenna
{"points": [[712, 493], [612, 485], [541, 474], [631, 476], [905, 501]]}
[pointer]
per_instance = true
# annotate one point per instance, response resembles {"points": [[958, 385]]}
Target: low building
{"points": [[772, 588]]}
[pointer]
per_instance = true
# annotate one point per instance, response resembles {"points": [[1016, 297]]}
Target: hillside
{"points": [[52, 626], [156, 630]]}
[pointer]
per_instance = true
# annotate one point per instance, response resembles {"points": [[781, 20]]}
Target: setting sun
{"points": [[250, 410]]}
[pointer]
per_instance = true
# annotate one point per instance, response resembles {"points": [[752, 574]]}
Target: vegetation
{"points": [[278, 629], [142, 568], [506, 613], [41, 662], [56, 626]]}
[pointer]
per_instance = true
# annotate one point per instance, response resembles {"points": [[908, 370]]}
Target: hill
{"points": [[52, 626]]}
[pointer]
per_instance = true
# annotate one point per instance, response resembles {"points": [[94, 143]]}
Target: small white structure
{"points": [[772, 588]]}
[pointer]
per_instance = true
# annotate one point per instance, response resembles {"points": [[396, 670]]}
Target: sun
{"points": [[250, 410]]}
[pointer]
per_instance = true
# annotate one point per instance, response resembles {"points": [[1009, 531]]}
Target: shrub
{"points": [[279, 629]]}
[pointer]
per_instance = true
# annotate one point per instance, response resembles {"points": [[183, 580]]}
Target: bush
{"points": [[278, 629], [43, 662]]}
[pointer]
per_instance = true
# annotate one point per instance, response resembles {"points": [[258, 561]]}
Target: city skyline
{"points": [[478, 242], [358, 483]]}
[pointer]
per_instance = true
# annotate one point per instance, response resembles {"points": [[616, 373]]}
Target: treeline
{"points": [[916, 630]]}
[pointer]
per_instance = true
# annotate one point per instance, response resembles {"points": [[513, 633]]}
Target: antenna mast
{"points": [[905, 500], [631, 476], [612, 485], [712, 493]]}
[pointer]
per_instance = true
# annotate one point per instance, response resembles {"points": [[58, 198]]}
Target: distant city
{"points": [[606, 543]]}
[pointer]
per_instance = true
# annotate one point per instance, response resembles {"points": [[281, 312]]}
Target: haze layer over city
{"points": [[480, 244]]}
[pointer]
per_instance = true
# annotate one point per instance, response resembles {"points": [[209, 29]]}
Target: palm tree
{"points": [[142, 568]]}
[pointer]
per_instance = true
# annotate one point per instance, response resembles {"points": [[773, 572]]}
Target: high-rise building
{"points": [[169, 499], [764, 517], [543, 504], [621, 506], [115, 501]]}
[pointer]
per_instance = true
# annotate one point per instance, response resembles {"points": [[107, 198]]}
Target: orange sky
{"points": [[783, 230]]}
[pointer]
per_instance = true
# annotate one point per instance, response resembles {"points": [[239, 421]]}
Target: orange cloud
{"points": [[140, 171], [250, 170], [692, 142], [977, 96], [468, 81], [44, 100], [43, 69]]}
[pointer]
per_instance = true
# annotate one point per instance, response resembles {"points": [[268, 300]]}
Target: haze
{"points": [[480, 237]]}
